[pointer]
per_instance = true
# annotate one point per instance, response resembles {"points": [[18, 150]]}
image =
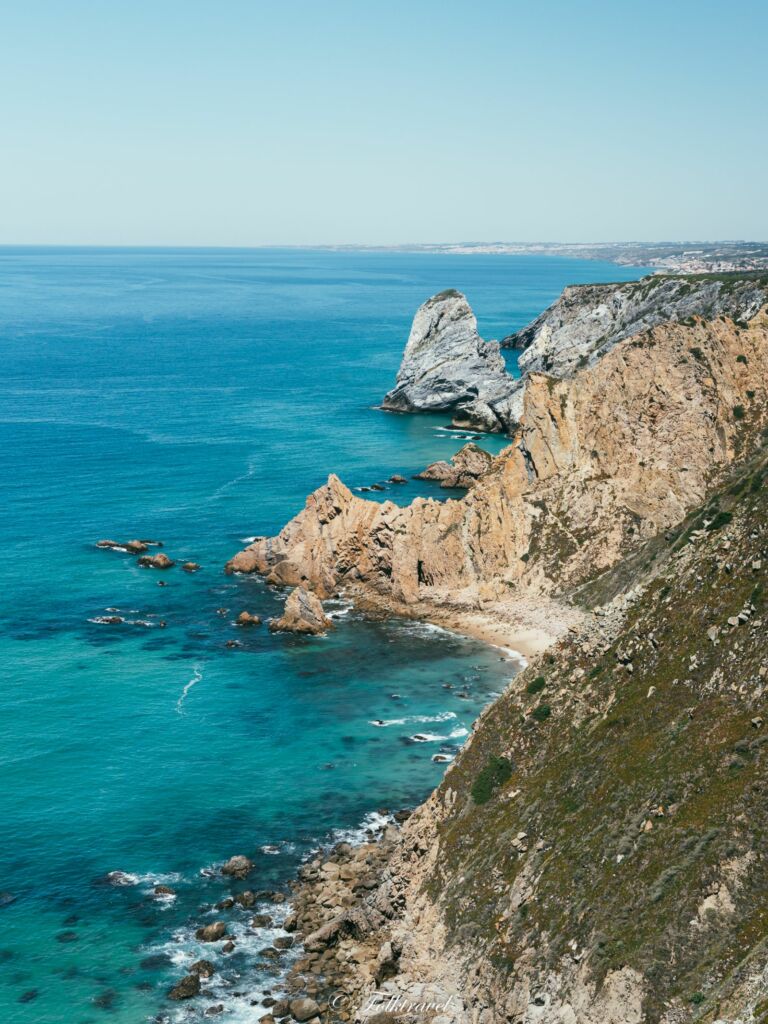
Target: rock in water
{"points": [[466, 467], [447, 366], [160, 561], [238, 867], [211, 932], [248, 619], [303, 614], [187, 988]]}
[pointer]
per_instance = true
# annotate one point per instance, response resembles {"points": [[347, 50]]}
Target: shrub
{"points": [[741, 359], [697, 998], [497, 771], [739, 412], [536, 685], [696, 352], [721, 519], [542, 712]]}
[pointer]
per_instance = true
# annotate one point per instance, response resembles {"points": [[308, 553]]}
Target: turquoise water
{"points": [[197, 397]]}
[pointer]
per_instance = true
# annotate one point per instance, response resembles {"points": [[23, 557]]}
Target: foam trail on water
{"points": [[197, 675]]}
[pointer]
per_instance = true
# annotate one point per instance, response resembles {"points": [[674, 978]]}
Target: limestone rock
{"points": [[303, 614], [447, 365]]}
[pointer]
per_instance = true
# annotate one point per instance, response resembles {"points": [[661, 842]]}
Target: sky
{"points": [[242, 122]]}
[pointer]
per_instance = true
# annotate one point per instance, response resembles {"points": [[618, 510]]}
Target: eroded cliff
{"points": [[601, 462]]}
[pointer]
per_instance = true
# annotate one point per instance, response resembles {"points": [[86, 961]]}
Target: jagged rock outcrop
{"points": [[448, 367], [303, 613], [466, 467], [600, 463], [588, 320]]}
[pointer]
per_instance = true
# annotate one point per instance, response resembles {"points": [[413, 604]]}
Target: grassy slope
{"points": [[690, 758]]}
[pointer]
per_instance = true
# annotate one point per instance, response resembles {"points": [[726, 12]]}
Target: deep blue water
{"points": [[197, 396]]}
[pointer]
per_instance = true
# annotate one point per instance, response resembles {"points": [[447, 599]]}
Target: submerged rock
{"points": [[447, 366], [303, 614]]}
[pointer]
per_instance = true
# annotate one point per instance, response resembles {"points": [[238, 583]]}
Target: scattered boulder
{"points": [[248, 619], [136, 547], [397, 479], [304, 1009], [187, 988], [261, 921], [228, 947], [164, 890], [245, 899], [190, 566], [211, 932], [204, 968], [303, 614], [238, 867], [159, 561]]}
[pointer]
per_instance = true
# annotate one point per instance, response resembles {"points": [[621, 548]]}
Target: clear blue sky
{"points": [[242, 122]]}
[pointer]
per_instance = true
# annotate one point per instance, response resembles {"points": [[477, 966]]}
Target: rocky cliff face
{"points": [[596, 853], [588, 320], [447, 366], [601, 462]]}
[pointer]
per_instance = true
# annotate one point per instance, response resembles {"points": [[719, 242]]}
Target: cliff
{"points": [[588, 320], [595, 855], [601, 462]]}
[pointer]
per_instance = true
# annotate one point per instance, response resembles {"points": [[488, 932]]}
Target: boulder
{"points": [[164, 890], [135, 547], [304, 1009], [303, 614], [467, 466], [397, 479], [190, 566], [248, 619], [203, 967], [187, 988], [238, 867], [211, 932], [246, 898], [159, 561]]}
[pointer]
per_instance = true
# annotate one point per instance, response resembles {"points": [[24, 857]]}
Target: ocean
{"points": [[197, 397]]}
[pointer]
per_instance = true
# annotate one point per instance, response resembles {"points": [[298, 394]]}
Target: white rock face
{"points": [[588, 320], [448, 367]]}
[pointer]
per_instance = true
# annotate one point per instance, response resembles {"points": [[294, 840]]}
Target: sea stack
{"points": [[448, 367]]}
